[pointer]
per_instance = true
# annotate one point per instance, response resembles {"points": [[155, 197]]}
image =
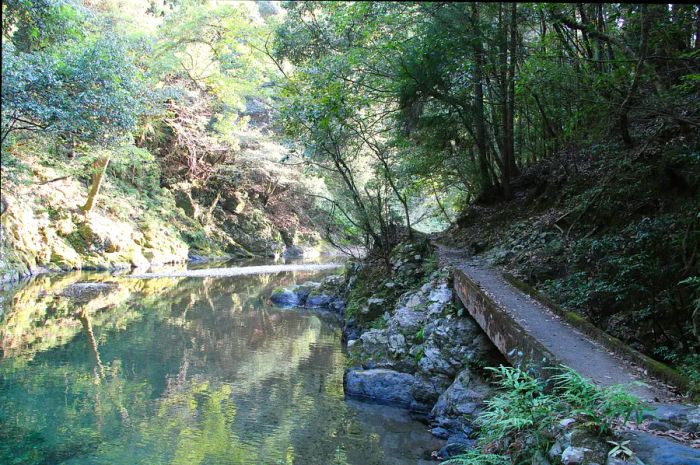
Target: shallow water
{"points": [[183, 371]]}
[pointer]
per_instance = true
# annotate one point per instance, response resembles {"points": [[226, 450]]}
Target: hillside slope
{"points": [[610, 233], [253, 207]]}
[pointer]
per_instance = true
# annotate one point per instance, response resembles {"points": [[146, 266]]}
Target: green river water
{"points": [[183, 371]]}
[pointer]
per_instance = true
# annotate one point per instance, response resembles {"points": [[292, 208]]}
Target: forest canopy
{"points": [[451, 101]]}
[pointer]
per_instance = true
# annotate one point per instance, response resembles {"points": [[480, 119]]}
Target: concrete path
{"points": [[520, 326]]}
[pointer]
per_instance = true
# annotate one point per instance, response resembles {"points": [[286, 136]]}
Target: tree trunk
{"points": [[100, 167], [92, 342], [513, 46], [507, 47], [479, 103], [696, 45], [627, 103]]}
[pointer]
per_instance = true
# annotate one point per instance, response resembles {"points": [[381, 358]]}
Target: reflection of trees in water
{"points": [[90, 336], [228, 372]]}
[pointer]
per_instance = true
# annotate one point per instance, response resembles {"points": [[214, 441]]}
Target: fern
{"points": [[520, 419]]}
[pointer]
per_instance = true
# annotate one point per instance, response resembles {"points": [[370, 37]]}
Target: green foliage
{"points": [[136, 166], [88, 90], [620, 449], [35, 24], [521, 418], [420, 337], [475, 457], [690, 366], [419, 354]]}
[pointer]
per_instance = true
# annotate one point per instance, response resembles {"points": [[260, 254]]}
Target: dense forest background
{"points": [[561, 139]]}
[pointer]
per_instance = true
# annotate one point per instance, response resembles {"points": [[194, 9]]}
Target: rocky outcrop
{"points": [[63, 239], [418, 351], [255, 208], [458, 405], [426, 342]]}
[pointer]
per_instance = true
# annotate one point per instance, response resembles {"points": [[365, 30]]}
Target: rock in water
{"points": [[318, 300], [380, 385], [285, 297]]}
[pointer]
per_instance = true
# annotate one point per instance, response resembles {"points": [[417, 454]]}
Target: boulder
{"points": [[374, 341], [406, 321], [426, 391], [293, 251], [457, 444], [318, 300], [674, 416], [285, 297], [380, 385], [578, 445], [441, 294], [461, 401], [449, 342], [304, 290], [574, 455], [397, 344], [655, 450]]}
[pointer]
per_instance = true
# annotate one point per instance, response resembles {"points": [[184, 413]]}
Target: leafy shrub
{"points": [[520, 420], [88, 90]]}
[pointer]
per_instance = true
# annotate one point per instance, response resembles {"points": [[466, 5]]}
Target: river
{"points": [[184, 370]]}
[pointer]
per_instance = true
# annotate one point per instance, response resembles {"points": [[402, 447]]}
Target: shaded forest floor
{"points": [[609, 233]]}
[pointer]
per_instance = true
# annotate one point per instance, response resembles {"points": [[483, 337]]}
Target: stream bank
{"points": [[411, 344]]}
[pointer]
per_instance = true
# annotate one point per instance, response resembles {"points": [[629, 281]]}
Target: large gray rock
{"points": [[293, 251], [457, 444], [83, 292], [380, 385], [305, 289], [407, 321], [674, 416], [374, 341], [310, 294], [655, 450], [320, 300], [426, 391], [441, 294], [450, 342], [460, 403], [397, 344], [573, 455], [285, 297]]}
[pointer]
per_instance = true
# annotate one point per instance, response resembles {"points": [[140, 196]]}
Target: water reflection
{"points": [[182, 371]]}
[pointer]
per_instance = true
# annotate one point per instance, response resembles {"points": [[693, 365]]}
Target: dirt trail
{"points": [[568, 344]]}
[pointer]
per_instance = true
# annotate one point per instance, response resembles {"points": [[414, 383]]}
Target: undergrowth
{"points": [[520, 421], [614, 238]]}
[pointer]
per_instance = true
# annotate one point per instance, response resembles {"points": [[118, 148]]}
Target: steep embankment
{"points": [[253, 206], [412, 344], [609, 234]]}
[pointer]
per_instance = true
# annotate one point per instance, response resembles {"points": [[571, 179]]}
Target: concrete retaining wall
{"points": [[516, 345]]}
